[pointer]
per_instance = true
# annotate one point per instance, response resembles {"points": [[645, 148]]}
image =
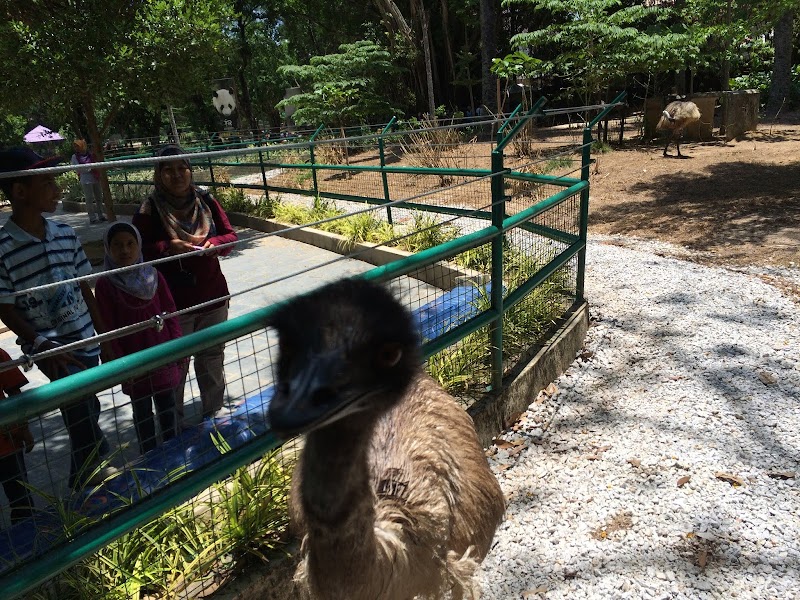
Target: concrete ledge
{"points": [[442, 274], [492, 414]]}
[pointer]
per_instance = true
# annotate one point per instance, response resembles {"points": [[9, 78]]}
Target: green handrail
{"points": [[614, 103], [535, 110]]}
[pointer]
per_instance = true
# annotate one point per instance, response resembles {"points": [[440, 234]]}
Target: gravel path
{"points": [[661, 465]]}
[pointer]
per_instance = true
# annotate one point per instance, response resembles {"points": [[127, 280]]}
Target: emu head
{"points": [[347, 351]]}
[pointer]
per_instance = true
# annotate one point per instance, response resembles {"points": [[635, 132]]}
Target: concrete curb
{"points": [[493, 414], [442, 274]]}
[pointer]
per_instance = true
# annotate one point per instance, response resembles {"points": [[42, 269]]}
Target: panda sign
{"points": [[224, 100]]}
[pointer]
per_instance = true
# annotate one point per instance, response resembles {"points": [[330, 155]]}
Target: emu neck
{"points": [[335, 483]]}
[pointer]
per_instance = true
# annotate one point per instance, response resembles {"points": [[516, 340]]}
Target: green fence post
{"points": [[383, 168], [313, 161], [496, 296], [211, 169], [263, 173], [586, 161]]}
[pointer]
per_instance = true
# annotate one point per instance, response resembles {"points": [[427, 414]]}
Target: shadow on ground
{"points": [[727, 205]]}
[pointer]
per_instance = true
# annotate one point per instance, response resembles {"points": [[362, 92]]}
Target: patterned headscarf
{"points": [[141, 283], [186, 218]]}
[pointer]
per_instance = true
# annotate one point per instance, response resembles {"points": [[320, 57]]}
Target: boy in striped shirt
{"points": [[35, 251]]}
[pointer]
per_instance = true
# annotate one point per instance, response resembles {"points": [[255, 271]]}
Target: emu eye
{"points": [[389, 355]]}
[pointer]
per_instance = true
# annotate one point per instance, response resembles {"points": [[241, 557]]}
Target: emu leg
{"points": [[678, 146], [667, 146]]}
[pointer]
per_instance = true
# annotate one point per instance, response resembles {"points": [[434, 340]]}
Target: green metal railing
{"points": [[573, 247]]}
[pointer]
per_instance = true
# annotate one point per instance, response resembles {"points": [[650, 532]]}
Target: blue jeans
{"points": [[81, 418]]}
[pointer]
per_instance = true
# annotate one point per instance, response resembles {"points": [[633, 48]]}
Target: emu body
{"points": [[675, 118], [392, 494]]}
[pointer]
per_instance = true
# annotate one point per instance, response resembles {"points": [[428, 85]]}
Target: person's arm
{"points": [[22, 432], [107, 305], [225, 233], [10, 316], [99, 322]]}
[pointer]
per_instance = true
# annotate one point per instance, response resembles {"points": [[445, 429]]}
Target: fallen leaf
{"points": [[503, 444], [702, 558], [732, 479], [534, 592], [781, 474], [682, 481], [634, 462], [592, 457], [586, 355], [551, 389], [503, 467], [767, 378]]}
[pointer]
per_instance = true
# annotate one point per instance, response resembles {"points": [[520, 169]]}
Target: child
{"points": [[13, 440], [132, 297], [35, 251]]}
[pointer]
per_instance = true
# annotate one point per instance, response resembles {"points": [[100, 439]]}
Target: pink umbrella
{"points": [[40, 133]]}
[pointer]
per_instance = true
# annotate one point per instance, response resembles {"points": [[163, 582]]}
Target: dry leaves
{"points": [[767, 378], [781, 474], [728, 477], [635, 462], [534, 592], [682, 481]]}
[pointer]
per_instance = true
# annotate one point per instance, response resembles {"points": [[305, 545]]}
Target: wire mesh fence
{"points": [[169, 503]]}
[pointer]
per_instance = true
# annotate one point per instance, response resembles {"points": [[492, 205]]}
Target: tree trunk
{"points": [[426, 46], [488, 14], [448, 46], [96, 139], [782, 67], [244, 61]]}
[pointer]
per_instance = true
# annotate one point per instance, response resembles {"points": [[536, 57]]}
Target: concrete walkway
{"points": [[248, 361]]}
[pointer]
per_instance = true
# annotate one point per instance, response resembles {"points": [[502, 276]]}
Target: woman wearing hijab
{"points": [[131, 297], [178, 217], [90, 184]]}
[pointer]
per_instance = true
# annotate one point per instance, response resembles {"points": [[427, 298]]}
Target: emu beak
{"points": [[309, 401]]}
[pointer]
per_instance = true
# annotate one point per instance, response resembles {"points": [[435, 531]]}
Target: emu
{"points": [[675, 118], [392, 494]]}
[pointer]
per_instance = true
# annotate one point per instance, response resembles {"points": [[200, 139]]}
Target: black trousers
{"points": [[13, 475], [81, 418], [145, 424]]}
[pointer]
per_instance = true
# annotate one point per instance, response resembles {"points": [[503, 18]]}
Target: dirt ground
{"points": [[734, 204]]}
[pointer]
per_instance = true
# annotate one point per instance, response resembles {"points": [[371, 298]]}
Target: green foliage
{"points": [[343, 88], [598, 42], [12, 128], [233, 199], [426, 232], [245, 515]]}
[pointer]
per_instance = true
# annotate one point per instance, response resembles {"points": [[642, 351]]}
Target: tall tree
{"points": [[594, 44], [782, 67], [126, 50], [488, 18]]}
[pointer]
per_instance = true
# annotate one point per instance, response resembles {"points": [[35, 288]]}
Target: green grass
{"points": [[239, 519]]}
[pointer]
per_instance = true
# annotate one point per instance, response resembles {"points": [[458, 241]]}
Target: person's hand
{"points": [[59, 364], [179, 247], [208, 245], [27, 439]]}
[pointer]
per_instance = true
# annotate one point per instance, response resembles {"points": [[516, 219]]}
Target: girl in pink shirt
{"points": [[132, 297]]}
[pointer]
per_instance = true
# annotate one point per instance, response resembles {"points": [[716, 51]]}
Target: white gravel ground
{"points": [[663, 464]]}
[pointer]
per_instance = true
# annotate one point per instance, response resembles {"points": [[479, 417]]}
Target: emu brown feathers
{"points": [[394, 499], [675, 118]]}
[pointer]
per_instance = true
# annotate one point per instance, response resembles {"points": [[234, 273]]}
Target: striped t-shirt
{"points": [[59, 313]]}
